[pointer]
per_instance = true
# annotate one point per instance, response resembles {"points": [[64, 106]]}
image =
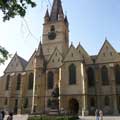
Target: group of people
{"points": [[2, 115], [99, 114]]}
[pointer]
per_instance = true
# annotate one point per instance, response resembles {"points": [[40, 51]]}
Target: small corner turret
{"points": [[47, 17]]}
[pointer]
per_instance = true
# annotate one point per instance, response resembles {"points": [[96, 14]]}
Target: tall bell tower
{"points": [[55, 30]]}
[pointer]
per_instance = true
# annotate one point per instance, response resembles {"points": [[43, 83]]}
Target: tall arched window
{"points": [[52, 28], [104, 75], [72, 74], [30, 82], [18, 82], [7, 82], [92, 102], [91, 77], [50, 80], [106, 101], [118, 104], [26, 101], [6, 101], [117, 74]]}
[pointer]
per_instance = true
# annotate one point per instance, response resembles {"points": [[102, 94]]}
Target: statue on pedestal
{"points": [[55, 100], [54, 106]]}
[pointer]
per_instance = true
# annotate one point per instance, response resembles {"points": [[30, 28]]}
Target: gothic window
{"points": [[91, 77], [104, 75], [117, 74], [106, 100], [72, 54], [58, 59], [72, 74], [118, 103], [50, 80], [111, 53], [6, 101], [52, 33], [16, 106], [25, 102], [104, 54], [92, 102], [7, 82], [107, 47], [56, 54], [30, 84], [118, 100], [83, 56], [52, 28], [18, 82], [53, 60]]}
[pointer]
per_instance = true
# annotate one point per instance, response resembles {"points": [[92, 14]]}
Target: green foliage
{"points": [[53, 118], [11, 8], [4, 54]]}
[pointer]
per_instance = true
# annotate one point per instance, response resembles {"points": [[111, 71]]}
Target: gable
{"points": [[30, 64], [55, 60], [14, 65], [84, 54], [107, 54], [72, 55]]}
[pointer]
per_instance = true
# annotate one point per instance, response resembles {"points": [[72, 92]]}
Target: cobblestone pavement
{"points": [[25, 117]]}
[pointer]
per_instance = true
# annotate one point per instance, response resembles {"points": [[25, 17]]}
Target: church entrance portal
{"points": [[73, 106]]}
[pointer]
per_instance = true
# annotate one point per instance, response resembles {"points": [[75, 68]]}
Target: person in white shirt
{"points": [[101, 114]]}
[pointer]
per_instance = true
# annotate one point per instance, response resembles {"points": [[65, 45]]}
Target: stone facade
{"points": [[85, 82]]}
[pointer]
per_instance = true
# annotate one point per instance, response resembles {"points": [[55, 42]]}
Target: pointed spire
{"points": [[66, 21], [56, 10], [40, 50], [16, 53], [78, 44], [47, 17], [106, 39], [71, 44], [47, 13]]}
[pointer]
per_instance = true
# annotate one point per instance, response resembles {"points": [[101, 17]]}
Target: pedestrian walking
{"points": [[1, 115], [10, 117], [97, 114], [101, 114]]}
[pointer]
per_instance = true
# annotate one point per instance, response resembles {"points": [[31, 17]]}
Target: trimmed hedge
{"points": [[53, 118]]}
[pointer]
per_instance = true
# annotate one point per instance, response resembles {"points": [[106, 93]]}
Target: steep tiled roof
{"points": [[23, 62]]}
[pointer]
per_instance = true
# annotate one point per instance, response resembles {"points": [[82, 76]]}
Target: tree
{"points": [[11, 8], [4, 54]]}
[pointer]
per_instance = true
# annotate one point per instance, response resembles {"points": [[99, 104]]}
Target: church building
{"points": [[81, 83]]}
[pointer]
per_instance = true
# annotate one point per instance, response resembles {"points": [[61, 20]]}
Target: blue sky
{"points": [[90, 22]]}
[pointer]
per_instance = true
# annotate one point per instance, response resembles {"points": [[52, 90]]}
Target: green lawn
{"points": [[52, 118]]}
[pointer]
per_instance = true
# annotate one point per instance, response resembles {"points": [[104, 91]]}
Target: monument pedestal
{"points": [[53, 112], [54, 109]]}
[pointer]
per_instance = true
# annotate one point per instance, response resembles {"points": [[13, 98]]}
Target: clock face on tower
{"points": [[52, 33]]}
